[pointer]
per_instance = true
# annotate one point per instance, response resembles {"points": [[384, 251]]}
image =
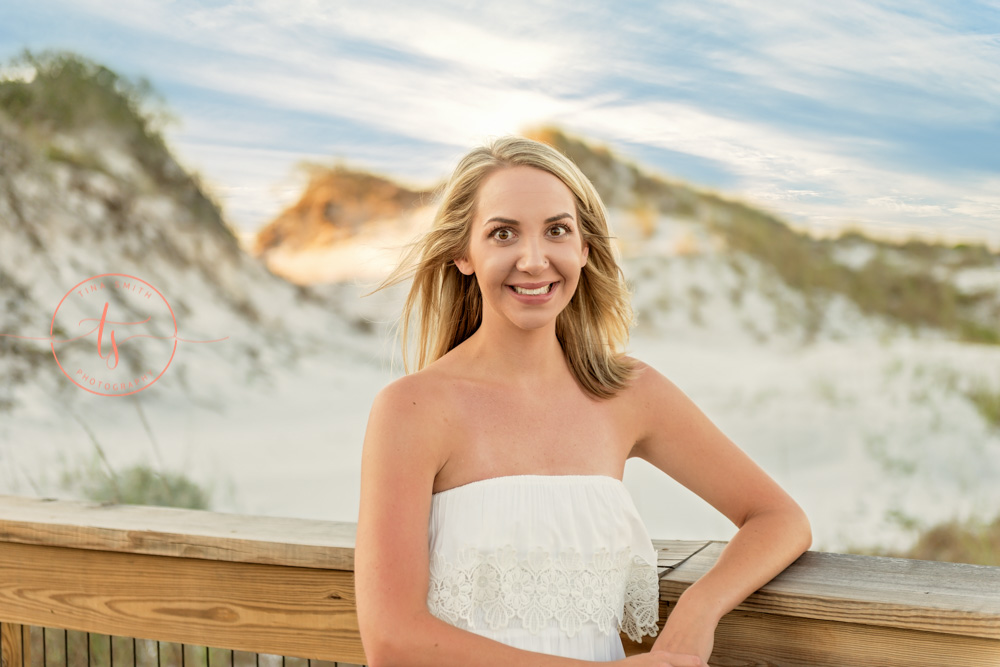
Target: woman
{"points": [[494, 528]]}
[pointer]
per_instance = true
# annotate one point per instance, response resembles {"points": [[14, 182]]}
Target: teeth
{"points": [[540, 290]]}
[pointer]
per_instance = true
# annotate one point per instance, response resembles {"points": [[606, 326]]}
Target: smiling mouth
{"points": [[545, 289]]}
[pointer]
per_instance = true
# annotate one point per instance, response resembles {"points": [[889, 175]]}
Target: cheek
{"points": [[492, 270], [571, 261]]}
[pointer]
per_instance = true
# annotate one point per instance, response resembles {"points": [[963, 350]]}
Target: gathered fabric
{"points": [[554, 564]]}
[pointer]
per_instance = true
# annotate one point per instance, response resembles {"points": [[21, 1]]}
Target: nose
{"points": [[533, 258]]}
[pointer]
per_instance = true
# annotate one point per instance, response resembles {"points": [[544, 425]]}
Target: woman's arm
{"points": [[680, 440]]}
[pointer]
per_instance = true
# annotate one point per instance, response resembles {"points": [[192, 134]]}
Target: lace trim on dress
{"points": [[497, 588]]}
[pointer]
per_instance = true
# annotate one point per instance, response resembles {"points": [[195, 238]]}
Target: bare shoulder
{"points": [[411, 412], [643, 371], [638, 365], [422, 395], [655, 404], [413, 390], [646, 385]]}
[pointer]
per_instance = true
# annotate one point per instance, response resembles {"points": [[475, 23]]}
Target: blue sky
{"points": [[884, 115]]}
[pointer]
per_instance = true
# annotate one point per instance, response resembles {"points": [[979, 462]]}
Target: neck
{"points": [[523, 357]]}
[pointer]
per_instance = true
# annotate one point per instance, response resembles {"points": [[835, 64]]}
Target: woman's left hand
{"points": [[687, 632]]}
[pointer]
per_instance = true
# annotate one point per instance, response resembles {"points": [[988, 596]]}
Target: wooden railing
{"points": [[284, 587]]}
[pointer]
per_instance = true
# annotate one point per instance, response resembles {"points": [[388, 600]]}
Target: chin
{"points": [[532, 323]]}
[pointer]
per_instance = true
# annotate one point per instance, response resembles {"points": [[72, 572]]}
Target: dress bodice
{"points": [[555, 564]]}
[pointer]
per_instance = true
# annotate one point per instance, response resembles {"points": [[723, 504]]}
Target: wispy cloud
{"points": [[841, 184], [818, 49], [839, 111]]}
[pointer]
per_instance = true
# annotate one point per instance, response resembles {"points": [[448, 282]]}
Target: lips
{"points": [[529, 291], [542, 291]]}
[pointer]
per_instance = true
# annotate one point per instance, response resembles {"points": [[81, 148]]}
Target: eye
{"points": [[564, 230], [502, 234]]}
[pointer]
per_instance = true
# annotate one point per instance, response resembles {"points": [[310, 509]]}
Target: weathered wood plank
{"points": [[754, 639], [29, 658], [11, 650], [671, 553], [210, 535], [166, 531], [893, 592], [54, 642], [76, 649], [292, 611]]}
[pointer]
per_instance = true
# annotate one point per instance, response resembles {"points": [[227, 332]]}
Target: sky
{"points": [[879, 115]]}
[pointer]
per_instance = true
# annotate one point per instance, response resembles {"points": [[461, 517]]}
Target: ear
{"points": [[586, 252], [465, 266]]}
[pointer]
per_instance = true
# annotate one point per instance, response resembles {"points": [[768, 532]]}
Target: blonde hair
{"points": [[593, 328]]}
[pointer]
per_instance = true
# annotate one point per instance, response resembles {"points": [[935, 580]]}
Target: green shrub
{"points": [[952, 542], [136, 485], [987, 402], [70, 92], [71, 95]]}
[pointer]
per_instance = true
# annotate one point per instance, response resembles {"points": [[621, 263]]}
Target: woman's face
{"points": [[525, 246]]}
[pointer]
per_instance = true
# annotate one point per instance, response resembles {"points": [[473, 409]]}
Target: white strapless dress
{"points": [[556, 564]]}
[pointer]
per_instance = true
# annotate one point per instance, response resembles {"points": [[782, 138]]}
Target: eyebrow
{"points": [[508, 221]]}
